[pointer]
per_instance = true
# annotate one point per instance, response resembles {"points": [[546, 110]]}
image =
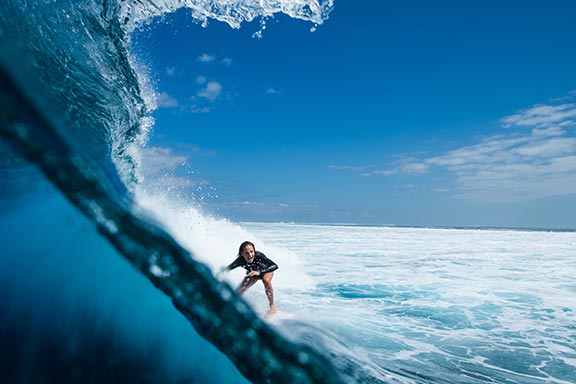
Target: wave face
{"points": [[74, 115], [75, 106]]}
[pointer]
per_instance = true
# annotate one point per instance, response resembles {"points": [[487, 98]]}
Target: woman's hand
{"points": [[253, 274], [222, 271]]}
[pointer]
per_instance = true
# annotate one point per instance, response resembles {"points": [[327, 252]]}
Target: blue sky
{"points": [[419, 113]]}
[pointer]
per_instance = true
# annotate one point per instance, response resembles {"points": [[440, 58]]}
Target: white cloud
{"points": [[411, 167], [163, 159], [199, 109], [211, 92], [206, 58], [272, 91], [532, 169], [346, 167], [201, 79], [380, 172], [169, 171], [171, 71], [519, 181], [164, 100], [407, 166], [553, 130], [541, 115], [548, 148], [517, 165]]}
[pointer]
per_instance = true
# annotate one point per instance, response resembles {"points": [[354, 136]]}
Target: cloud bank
{"points": [[533, 157]]}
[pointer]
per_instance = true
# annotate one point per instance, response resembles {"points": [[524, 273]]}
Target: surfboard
{"points": [[281, 315]]}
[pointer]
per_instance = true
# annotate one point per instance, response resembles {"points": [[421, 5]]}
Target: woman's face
{"points": [[248, 253]]}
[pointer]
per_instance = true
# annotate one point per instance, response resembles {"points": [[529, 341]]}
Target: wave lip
{"points": [[232, 12]]}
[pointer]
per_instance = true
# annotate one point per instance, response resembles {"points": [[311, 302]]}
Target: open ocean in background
{"points": [[440, 305], [108, 278]]}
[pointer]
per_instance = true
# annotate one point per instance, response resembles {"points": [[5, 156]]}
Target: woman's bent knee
{"points": [[267, 278]]}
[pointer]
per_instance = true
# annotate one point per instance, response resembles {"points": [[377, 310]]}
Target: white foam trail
{"points": [[215, 240], [487, 304]]}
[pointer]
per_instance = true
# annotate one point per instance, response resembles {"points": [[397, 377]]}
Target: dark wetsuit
{"points": [[261, 263]]}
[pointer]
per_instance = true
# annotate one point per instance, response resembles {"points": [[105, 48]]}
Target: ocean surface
{"points": [[438, 305], [106, 277]]}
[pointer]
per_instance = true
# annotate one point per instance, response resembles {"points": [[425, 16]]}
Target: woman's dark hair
{"points": [[243, 245]]}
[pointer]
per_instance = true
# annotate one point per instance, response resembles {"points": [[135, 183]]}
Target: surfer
{"points": [[258, 267]]}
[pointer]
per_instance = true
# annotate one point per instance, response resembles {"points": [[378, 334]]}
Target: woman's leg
{"points": [[267, 280], [246, 283]]}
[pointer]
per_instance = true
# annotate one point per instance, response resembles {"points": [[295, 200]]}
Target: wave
{"points": [[74, 104]]}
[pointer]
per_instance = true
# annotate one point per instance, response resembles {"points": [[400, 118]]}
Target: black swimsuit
{"points": [[261, 264]]}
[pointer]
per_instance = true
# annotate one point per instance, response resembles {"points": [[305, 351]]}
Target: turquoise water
{"points": [[440, 305], [106, 279]]}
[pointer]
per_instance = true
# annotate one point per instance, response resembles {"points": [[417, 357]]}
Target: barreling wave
{"points": [[74, 105], [74, 60]]}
